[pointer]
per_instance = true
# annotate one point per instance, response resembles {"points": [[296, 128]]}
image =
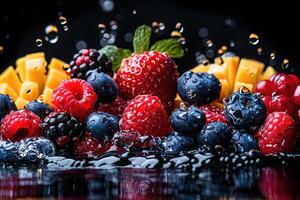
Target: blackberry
{"points": [[62, 129], [89, 59]]}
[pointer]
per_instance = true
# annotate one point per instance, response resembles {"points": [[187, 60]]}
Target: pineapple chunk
{"points": [[268, 73], [5, 89], [29, 90], [238, 85], [35, 71], [57, 64], [200, 68], [21, 103], [10, 77], [47, 96], [20, 63], [35, 55], [55, 77]]}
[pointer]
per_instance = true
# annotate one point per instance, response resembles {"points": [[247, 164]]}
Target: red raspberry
{"points": [[267, 100], [152, 73], [284, 83], [76, 97], [20, 124], [115, 108], [265, 87], [88, 147], [277, 134], [296, 96], [213, 113], [146, 115]]}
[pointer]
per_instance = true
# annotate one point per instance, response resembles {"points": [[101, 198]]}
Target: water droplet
{"points": [[205, 62], [134, 11], [220, 51], [179, 27], [175, 34], [128, 37], [161, 26], [244, 89], [203, 32], [229, 22], [272, 56], [184, 105], [51, 34], [182, 40], [101, 28], [28, 91], [253, 39], [66, 66], [209, 43], [231, 43], [39, 42], [113, 25], [285, 63], [210, 53], [1, 49], [66, 28], [107, 5], [252, 74], [81, 45], [224, 48], [259, 51], [219, 60], [62, 20]]}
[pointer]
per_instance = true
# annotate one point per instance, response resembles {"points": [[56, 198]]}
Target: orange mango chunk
{"points": [[29, 90], [21, 103], [55, 77], [47, 96], [10, 77], [5, 89]]}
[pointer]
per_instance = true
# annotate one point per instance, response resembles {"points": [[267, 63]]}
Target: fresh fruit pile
{"points": [[117, 100]]}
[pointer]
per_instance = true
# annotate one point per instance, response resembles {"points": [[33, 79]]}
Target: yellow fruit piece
{"points": [[55, 77], [218, 104], [35, 71], [177, 101], [238, 86], [56, 63], [224, 89], [200, 68], [231, 64], [35, 55], [10, 77], [29, 90], [5, 89], [21, 103], [248, 72], [218, 70], [47, 96], [268, 73], [20, 63]]}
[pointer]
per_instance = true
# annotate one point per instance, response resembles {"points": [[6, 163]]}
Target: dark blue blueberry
{"points": [[102, 125], [8, 151], [244, 110], [39, 108], [242, 142], [198, 88], [6, 105], [187, 121], [105, 87], [35, 149], [215, 133], [175, 143]]}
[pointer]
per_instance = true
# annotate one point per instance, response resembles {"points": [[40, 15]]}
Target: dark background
{"points": [[22, 22]]}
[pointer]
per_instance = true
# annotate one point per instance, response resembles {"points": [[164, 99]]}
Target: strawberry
{"points": [[278, 134], [146, 115], [152, 73], [213, 113]]}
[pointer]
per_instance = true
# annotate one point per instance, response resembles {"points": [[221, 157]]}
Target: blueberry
{"points": [[198, 88], [8, 151], [187, 121], [6, 105], [102, 125], [242, 142], [244, 110], [39, 108], [105, 87], [215, 133], [35, 149], [175, 143]]}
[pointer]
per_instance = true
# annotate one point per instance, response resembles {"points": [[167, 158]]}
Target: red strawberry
{"points": [[282, 103], [20, 124], [213, 113], [265, 87], [284, 83], [277, 134], [115, 108], [76, 97], [152, 73], [146, 115]]}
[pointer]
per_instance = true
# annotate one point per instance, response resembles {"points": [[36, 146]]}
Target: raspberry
{"points": [[146, 115], [20, 124], [277, 134], [89, 59], [63, 129], [213, 113], [115, 108], [88, 147], [76, 97]]}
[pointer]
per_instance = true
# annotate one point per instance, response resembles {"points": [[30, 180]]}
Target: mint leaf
{"points": [[169, 46], [115, 55], [141, 39]]}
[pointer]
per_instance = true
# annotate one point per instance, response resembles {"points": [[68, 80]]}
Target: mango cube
{"points": [[238, 86], [47, 96], [218, 70], [57, 64], [10, 77], [225, 91], [55, 77], [200, 68], [35, 55], [5, 89], [268, 73], [21, 103], [29, 90], [35, 71], [231, 64], [20, 63]]}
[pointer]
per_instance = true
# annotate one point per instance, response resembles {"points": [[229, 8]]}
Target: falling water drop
{"points": [[51, 34]]}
